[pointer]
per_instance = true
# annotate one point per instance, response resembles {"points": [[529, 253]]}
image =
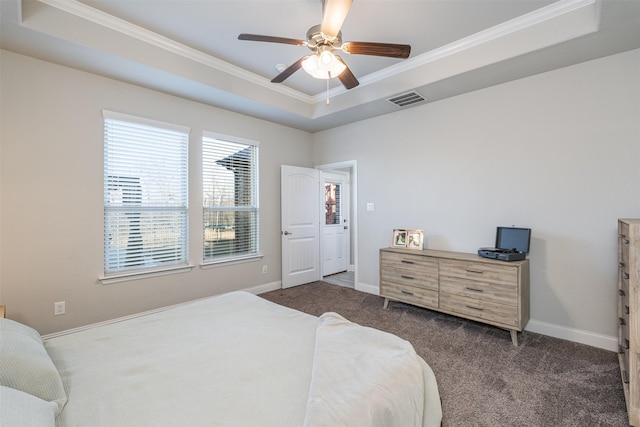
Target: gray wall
{"points": [[52, 189], [558, 152]]}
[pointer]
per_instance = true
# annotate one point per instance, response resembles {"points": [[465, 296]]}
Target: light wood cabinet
{"points": [[464, 285], [628, 320]]}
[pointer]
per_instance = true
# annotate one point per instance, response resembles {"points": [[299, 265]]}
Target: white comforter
{"points": [[239, 360]]}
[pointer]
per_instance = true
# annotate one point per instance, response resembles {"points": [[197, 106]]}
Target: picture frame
{"points": [[415, 239], [399, 238], [407, 238]]}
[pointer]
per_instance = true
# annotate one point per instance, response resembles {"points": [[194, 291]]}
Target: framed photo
{"points": [[415, 239], [399, 238], [411, 239]]}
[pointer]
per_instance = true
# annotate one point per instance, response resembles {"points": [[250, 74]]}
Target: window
{"points": [[145, 194], [230, 198], [332, 202]]}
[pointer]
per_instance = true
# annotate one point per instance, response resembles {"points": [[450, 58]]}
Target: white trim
{"points": [[365, 287], [593, 339], [230, 261], [107, 114], [256, 290], [111, 22], [229, 138], [145, 274]]}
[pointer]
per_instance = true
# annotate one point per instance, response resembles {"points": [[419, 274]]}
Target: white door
{"points": [[300, 203], [335, 229]]}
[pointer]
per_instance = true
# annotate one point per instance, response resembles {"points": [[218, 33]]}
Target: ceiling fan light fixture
{"points": [[323, 65]]}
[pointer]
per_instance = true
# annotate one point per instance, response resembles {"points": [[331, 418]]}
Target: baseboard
{"points": [[370, 289], [593, 339], [267, 287]]}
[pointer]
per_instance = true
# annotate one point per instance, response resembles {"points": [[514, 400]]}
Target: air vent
{"points": [[407, 99]]}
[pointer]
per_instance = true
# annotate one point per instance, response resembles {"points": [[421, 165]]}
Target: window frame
{"points": [[233, 258], [181, 207]]}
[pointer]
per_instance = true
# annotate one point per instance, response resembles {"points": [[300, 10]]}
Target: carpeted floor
{"points": [[483, 379]]}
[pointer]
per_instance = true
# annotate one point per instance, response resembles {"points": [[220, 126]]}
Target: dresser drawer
{"points": [[495, 273], [483, 291], [409, 270], [472, 308], [409, 294]]}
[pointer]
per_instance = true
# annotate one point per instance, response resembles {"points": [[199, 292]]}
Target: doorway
{"points": [[339, 231]]}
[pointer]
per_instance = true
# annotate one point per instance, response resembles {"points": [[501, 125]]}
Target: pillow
{"points": [[19, 409], [26, 365]]}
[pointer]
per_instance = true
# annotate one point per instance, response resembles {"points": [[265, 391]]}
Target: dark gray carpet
{"points": [[483, 379]]}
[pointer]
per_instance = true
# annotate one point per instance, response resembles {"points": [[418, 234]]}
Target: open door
{"points": [[335, 228], [300, 225]]}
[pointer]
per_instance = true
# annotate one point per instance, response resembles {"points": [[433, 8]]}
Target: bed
{"points": [[231, 360]]}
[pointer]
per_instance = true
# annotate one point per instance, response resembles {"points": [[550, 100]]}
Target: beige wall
{"points": [[52, 186], [558, 152]]}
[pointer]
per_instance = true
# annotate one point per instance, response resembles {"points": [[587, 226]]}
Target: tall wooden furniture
{"points": [[628, 320], [461, 284]]}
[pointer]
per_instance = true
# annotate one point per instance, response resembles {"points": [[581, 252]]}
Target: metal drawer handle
{"points": [[626, 309], [475, 308], [626, 344], [470, 270], [621, 264], [626, 275], [626, 241], [406, 292], [474, 290], [407, 277], [625, 377], [621, 292], [404, 261], [621, 321]]}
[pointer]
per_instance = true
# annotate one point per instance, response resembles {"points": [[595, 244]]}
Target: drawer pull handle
{"points": [[474, 289], [407, 277], [404, 261], [470, 270], [626, 344], [621, 321], [621, 292], [626, 241], [406, 292], [625, 377], [621, 264], [626, 275], [626, 309], [475, 308]]}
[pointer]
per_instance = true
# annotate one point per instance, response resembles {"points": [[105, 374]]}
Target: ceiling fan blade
{"points": [[271, 39], [347, 78], [334, 12], [290, 70], [377, 49]]}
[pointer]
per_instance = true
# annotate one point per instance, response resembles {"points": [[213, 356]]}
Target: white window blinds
{"points": [[145, 193], [230, 198]]}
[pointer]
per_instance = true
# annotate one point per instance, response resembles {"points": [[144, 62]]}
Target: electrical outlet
{"points": [[264, 269], [59, 308]]}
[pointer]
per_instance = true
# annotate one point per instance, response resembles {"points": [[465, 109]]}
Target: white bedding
{"points": [[239, 360]]}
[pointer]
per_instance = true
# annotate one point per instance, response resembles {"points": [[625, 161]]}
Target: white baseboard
{"points": [[593, 339], [260, 289], [370, 289]]}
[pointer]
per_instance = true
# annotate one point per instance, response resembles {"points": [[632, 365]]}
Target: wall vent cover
{"points": [[407, 99]]}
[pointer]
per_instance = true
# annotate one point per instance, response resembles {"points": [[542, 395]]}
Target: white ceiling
{"points": [[190, 48]]}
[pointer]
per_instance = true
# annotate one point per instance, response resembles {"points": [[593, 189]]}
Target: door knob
{"points": [[286, 233]]}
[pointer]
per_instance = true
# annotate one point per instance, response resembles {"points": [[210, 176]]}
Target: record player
{"points": [[512, 244]]}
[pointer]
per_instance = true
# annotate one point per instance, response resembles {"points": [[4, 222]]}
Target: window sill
{"points": [[123, 277], [230, 261]]}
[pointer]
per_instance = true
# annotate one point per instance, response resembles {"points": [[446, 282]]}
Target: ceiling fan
{"points": [[326, 38]]}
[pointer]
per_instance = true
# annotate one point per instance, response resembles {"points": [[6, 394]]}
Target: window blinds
{"points": [[230, 198], [145, 193]]}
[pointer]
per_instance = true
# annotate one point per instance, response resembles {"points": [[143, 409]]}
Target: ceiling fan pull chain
{"points": [[328, 102]]}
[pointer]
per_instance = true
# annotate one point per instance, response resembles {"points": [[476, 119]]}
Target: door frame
{"points": [[352, 167]]}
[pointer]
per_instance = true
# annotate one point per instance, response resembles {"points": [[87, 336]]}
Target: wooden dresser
{"points": [[461, 284], [628, 320]]}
